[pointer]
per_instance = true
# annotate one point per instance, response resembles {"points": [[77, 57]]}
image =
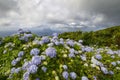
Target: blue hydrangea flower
{"points": [[17, 70], [12, 70], [84, 78], [36, 60], [14, 62], [45, 39], [104, 70], [57, 43], [55, 34], [87, 49], [95, 78], [112, 56], [32, 69], [110, 51], [28, 35], [20, 31], [70, 43], [43, 57], [113, 63], [51, 52], [26, 76], [80, 41], [98, 56], [83, 57], [72, 51], [23, 38], [111, 72], [65, 67], [26, 65], [65, 75], [41, 42], [118, 62], [62, 42], [18, 59], [73, 75], [37, 79], [5, 51], [34, 51], [44, 69], [50, 45], [21, 53], [71, 55]]}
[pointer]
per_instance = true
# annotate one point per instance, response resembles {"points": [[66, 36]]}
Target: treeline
{"points": [[105, 37]]}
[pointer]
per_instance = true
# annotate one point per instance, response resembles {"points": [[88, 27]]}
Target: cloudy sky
{"points": [[59, 15]]}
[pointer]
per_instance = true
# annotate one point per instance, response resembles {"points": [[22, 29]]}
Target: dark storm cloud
{"points": [[5, 6]]}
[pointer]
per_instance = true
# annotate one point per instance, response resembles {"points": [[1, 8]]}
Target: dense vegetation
{"points": [[26, 56], [105, 37]]}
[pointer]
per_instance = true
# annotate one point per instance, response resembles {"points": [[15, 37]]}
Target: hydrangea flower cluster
{"points": [[53, 58], [45, 39], [70, 43], [34, 51], [51, 52]]}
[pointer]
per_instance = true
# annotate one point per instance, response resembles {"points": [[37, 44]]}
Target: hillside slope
{"points": [[105, 37]]}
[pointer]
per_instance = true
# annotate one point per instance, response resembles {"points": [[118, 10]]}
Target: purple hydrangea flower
{"points": [[51, 52], [104, 70], [21, 53], [34, 51], [84, 78], [36, 60], [45, 39], [32, 69], [98, 56], [73, 75], [65, 67], [44, 68], [65, 75], [26, 76], [70, 43]]}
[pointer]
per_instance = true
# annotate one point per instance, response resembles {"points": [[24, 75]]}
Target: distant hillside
{"points": [[105, 37]]}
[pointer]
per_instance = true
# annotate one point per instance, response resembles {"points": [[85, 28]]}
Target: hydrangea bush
{"points": [[25, 56]]}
